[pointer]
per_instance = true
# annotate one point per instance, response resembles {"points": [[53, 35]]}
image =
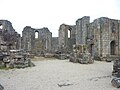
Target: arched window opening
{"points": [[1, 27], [36, 34], [69, 33]]}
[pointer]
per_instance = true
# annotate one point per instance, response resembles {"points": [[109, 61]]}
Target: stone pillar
{"points": [[28, 38], [63, 38], [82, 29]]}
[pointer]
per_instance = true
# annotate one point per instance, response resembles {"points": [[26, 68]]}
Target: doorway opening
{"points": [[91, 49], [112, 48]]}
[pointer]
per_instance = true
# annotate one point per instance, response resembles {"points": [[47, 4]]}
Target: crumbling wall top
{"points": [[6, 25], [83, 18]]}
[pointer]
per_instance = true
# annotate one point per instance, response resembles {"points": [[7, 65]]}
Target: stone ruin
{"points": [[116, 73], [10, 40], [36, 45], [101, 38], [81, 55], [17, 59], [83, 42], [116, 68]]}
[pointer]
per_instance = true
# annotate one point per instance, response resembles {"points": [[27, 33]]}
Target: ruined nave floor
{"points": [[59, 75]]}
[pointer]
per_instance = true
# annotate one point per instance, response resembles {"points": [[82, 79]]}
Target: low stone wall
{"points": [[61, 56], [16, 62]]}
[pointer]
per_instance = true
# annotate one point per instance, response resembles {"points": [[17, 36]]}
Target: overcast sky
{"points": [[52, 13]]}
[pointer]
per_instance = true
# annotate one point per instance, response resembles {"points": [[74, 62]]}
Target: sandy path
{"points": [[59, 75]]}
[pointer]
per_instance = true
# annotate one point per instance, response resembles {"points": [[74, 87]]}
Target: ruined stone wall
{"points": [[55, 44], [102, 37], [10, 39], [82, 30], [45, 36], [94, 38], [36, 45], [65, 42], [114, 35], [63, 38], [104, 31], [16, 40], [72, 39], [28, 38], [7, 25]]}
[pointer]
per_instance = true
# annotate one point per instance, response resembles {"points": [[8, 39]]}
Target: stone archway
{"points": [[112, 48]]}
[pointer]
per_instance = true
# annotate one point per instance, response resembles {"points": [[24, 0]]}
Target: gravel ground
{"points": [[59, 75]]}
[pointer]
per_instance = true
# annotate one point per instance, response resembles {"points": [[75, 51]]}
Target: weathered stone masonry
{"points": [[9, 38], [36, 45], [102, 36], [105, 37], [65, 42]]}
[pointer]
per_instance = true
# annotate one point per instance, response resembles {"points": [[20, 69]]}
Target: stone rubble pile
{"points": [[81, 55], [15, 60], [116, 73]]}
